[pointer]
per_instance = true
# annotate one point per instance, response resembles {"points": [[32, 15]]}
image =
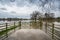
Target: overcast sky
{"points": [[23, 8]]}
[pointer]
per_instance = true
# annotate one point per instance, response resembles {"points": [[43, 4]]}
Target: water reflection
{"points": [[49, 27], [36, 25]]}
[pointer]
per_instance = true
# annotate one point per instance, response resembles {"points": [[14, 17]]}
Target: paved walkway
{"points": [[29, 34]]}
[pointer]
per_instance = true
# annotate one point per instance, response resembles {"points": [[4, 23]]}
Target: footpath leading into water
{"points": [[29, 34]]}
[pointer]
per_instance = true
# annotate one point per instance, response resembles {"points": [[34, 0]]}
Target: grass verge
{"points": [[8, 29]]}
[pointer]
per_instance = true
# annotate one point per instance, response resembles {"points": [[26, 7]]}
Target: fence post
{"points": [[52, 31], [14, 26], [19, 24], [6, 30], [46, 25], [40, 24], [30, 25]]}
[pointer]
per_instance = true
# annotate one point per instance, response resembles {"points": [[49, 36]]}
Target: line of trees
{"points": [[12, 19], [9, 19], [36, 15]]}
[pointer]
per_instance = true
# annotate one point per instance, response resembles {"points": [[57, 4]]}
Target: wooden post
{"points": [[6, 30], [52, 31], [41, 24], [30, 25], [14, 26], [19, 24], [46, 27]]}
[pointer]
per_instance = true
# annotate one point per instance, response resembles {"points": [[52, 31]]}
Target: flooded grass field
{"points": [[50, 28]]}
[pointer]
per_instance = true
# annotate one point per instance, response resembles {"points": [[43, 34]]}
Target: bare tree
{"points": [[36, 15], [49, 15]]}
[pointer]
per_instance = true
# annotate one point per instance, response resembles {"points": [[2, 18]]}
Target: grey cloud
{"points": [[44, 5], [22, 3], [5, 14], [9, 15], [3, 9], [13, 12]]}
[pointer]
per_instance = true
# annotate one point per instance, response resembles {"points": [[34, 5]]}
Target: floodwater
{"points": [[35, 31], [29, 34]]}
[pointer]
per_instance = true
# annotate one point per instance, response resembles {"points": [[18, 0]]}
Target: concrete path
{"points": [[29, 34]]}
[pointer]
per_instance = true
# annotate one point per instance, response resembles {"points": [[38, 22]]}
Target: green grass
{"points": [[8, 29]]}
